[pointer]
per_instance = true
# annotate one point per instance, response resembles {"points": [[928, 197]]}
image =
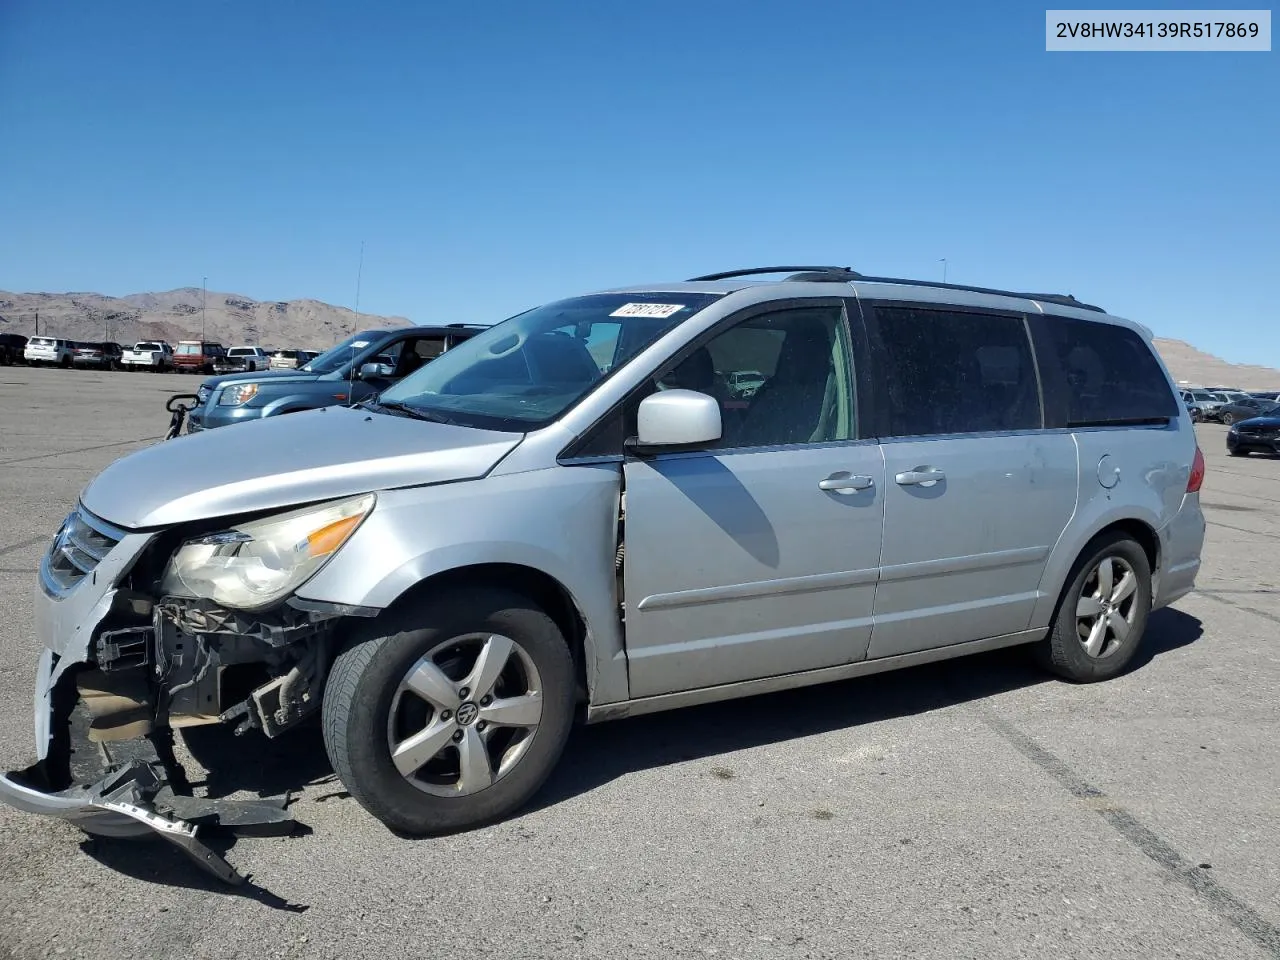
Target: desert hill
{"points": [[233, 319], [175, 315]]}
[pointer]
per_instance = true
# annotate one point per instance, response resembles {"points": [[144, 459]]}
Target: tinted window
{"points": [[943, 372], [1111, 375]]}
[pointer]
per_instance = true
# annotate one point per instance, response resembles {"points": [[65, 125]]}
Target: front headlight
{"points": [[255, 565], [238, 394]]}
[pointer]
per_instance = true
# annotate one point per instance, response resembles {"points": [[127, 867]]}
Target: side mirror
{"points": [[375, 371], [676, 418]]}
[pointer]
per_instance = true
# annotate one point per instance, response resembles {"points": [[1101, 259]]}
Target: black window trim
{"points": [[860, 380], [881, 366]]}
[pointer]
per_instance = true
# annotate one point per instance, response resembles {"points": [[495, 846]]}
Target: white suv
{"points": [[50, 350]]}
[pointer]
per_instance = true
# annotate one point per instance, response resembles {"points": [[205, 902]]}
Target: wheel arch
{"points": [[1062, 564], [538, 586]]}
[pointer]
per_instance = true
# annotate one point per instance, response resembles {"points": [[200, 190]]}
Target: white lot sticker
{"points": [[360, 343], [659, 310]]}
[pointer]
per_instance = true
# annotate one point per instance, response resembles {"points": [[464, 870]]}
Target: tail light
{"points": [[1197, 472]]}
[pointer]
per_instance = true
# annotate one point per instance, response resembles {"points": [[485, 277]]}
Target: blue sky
{"points": [[493, 156]]}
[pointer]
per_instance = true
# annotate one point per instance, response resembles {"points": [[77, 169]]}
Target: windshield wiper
{"points": [[416, 412]]}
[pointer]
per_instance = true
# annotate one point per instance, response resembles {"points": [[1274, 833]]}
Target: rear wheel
{"points": [[1228, 419], [450, 712], [1103, 612]]}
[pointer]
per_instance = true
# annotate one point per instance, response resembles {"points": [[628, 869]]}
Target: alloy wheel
{"points": [[464, 714], [1106, 609]]}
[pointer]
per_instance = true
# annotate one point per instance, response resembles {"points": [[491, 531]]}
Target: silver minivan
{"points": [[574, 515]]}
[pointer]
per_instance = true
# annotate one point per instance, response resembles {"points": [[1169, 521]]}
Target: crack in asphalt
{"points": [[65, 453], [1218, 898], [1214, 596], [23, 543]]}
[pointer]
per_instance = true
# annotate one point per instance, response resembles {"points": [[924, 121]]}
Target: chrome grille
{"points": [[81, 544]]}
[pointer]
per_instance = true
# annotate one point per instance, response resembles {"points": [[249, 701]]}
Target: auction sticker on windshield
{"points": [[659, 311]]}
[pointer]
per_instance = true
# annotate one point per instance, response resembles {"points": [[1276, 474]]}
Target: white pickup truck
{"points": [[155, 355]]}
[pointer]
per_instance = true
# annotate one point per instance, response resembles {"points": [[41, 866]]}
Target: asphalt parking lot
{"points": [[969, 809]]}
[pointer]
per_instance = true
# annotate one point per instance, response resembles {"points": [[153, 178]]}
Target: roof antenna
{"points": [[355, 328]]}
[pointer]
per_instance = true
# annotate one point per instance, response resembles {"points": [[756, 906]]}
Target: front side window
{"points": [[1111, 375], [525, 372], [950, 371], [782, 377]]}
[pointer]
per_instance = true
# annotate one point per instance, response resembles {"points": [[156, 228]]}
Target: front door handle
{"points": [[845, 483], [921, 475]]}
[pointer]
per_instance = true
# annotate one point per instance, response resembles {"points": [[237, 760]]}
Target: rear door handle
{"points": [[922, 475], [845, 483]]}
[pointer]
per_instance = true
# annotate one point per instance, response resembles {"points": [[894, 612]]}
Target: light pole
{"points": [[203, 283], [943, 261]]}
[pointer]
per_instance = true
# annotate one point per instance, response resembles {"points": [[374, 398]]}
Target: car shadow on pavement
{"points": [[601, 753]]}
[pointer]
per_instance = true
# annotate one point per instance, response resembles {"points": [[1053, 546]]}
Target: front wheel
{"points": [[1102, 613], [450, 712]]}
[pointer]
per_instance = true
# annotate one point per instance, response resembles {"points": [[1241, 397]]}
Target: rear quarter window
{"points": [[1098, 374]]}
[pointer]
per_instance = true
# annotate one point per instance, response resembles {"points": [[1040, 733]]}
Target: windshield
{"points": [[342, 354], [525, 372], [1200, 395]]}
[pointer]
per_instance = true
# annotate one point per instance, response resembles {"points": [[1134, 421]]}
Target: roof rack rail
{"points": [[840, 274], [847, 274]]}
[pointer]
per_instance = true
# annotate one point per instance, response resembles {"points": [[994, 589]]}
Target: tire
{"points": [[1228, 419], [1063, 651], [367, 708], [1237, 452]]}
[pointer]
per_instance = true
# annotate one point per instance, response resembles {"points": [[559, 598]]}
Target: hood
{"points": [[1270, 420], [275, 376], [281, 462]]}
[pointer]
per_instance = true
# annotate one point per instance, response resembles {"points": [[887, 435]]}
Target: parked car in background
{"points": [[105, 356], [242, 359], [1266, 395], [1245, 409], [1202, 404], [362, 365], [1260, 434], [290, 359], [153, 355], [743, 384], [12, 348], [510, 539], [197, 356], [48, 351]]}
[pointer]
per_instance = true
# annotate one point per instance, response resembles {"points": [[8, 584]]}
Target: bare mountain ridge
{"points": [[175, 315], [234, 319]]}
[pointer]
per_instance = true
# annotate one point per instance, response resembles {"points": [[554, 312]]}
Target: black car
{"points": [[11, 347], [361, 366], [1255, 435], [1245, 409]]}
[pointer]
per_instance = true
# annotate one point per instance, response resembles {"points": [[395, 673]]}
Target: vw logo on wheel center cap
{"points": [[467, 713]]}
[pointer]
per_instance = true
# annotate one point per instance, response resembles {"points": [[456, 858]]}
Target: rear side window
{"points": [[945, 371], [1106, 374]]}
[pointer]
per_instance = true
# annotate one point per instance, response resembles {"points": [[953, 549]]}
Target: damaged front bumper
{"points": [[120, 671]]}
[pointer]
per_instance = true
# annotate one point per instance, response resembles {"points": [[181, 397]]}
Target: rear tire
{"points": [[1228, 419], [1101, 615], [371, 709]]}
